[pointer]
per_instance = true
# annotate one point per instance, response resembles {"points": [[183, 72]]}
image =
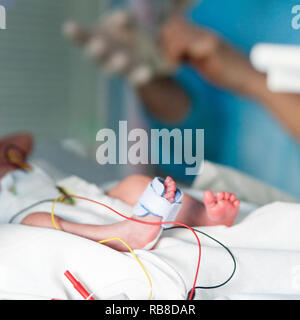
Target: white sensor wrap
{"points": [[153, 202]]}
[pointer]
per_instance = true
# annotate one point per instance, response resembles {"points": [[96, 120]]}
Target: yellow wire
{"points": [[52, 211], [106, 240], [136, 258]]}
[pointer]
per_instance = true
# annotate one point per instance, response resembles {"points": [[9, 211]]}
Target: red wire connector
{"points": [[78, 286]]}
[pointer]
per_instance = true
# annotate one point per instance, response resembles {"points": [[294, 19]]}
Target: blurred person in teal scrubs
{"points": [[215, 88]]}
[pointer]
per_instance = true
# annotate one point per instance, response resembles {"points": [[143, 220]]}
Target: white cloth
{"points": [[20, 190], [266, 245], [216, 177]]}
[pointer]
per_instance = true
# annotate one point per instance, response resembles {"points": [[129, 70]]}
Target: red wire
{"points": [[154, 223], [78, 286]]}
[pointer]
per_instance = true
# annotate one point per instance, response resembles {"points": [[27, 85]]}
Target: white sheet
{"points": [[266, 245], [216, 177]]}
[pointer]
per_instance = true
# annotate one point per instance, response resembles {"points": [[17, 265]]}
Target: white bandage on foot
{"points": [[153, 202]]}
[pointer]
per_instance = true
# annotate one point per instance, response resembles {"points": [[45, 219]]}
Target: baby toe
{"points": [[220, 196], [209, 198], [232, 197], [236, 203], [172, 186], [170, 193], [226, 195], [168, 179]]}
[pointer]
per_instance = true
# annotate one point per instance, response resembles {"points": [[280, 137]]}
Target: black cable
{"points": [[40, 202], [226, 248], [30, 207], [177, 227]]}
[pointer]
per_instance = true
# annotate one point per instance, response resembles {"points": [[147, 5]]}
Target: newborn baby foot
{"points": [[221, 208], [170, 189], [138, 235]]}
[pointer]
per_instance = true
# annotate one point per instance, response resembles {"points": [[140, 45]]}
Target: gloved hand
{"points": [[120, 46]]}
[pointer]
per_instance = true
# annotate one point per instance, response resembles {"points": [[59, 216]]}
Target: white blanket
{"points": [[266, 245], [216, 177]]}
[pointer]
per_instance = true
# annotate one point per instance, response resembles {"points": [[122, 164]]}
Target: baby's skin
{"points": [[219, 209]]}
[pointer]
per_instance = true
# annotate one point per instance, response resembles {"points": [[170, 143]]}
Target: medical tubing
{"points": [[61, 198], [30, 207], [135, 257], [222, 245], [143, 222], [78, 286], [198, 287]]}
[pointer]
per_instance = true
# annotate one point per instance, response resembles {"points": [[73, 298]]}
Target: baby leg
{"points": [[130, 189], [221, 209], [137, 235]]}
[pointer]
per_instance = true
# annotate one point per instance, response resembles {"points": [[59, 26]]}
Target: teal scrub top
{"points": [[240, 132]]}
